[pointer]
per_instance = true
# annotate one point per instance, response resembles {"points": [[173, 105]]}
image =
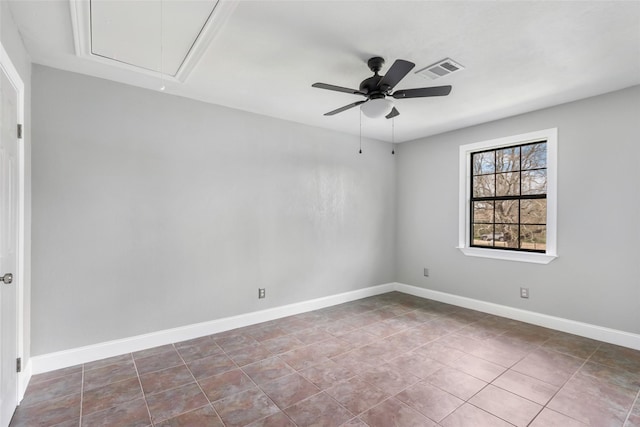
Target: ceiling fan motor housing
{"points": [[370, 85], [375, 64]]}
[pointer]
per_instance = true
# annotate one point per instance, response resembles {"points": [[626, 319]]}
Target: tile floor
{"points": [[389, 360]]}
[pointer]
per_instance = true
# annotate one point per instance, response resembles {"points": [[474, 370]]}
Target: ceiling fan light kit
{"points": [[376, 108], [377, 88]]}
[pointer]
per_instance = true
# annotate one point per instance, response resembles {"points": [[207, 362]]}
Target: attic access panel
{"points": [[135, 35], [135, 32]]}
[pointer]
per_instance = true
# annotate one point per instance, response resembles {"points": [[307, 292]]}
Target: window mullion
{"points": [[519, 201], [495, 193]]}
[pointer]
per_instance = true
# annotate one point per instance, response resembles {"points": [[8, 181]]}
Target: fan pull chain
{"points": [[393, 135], [360, 132], [162, 87]]}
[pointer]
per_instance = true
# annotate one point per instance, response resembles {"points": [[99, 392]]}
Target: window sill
{"points": [[532, 257]]}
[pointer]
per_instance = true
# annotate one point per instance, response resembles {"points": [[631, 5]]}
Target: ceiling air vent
{"points": [[440, 69]]}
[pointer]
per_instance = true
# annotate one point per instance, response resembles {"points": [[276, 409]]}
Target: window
{"points": [[507, 198]]}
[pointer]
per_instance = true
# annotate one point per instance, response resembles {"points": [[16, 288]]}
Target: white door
{"points": [[8, 249]]}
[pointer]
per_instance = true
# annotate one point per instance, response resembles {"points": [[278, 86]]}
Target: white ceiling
{"points": [[518, 56]]}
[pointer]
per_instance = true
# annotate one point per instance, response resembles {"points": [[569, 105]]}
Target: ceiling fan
{"points": [[377, 88]]}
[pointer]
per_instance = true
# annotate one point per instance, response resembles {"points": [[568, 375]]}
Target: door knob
{"points": [[7, 278]]}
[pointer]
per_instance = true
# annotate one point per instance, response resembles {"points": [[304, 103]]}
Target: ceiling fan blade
{"points": [[337, 88], [422, 92], [393, 113], [346, 107], [398, 70]]}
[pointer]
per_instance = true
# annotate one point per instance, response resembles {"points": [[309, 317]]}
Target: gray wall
{"points": [[12, 43], [596, 278], [152, 211]]}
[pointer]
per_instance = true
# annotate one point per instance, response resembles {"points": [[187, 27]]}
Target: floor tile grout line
{"points": [[298, 372], [439, 388], [107, 365], [198, 384], [34, 380], [489, 382], [275, 403], [510, 368], [559, 390], [401, 402], [42, 402], [182, 413], [409, 386], [146, 404], [329, 396], [260, 388], [81, 397], [492, 414], [250, 379], [636, 400], [524, 397], [173, 388], [604, 364], [170, 388], [508, 391], [543, 407]]}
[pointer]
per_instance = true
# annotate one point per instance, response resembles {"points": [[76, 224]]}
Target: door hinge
{"points": [[19, 364], [19, 131]]}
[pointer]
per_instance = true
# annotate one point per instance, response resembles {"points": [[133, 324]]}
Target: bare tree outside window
{"points": [[509, 197]]}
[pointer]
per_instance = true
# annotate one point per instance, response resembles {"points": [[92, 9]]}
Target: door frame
{"points": [[6, 66]]}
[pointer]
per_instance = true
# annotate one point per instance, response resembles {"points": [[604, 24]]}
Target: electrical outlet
{"points": [[261, 293], [524, 292], [426, 272]]}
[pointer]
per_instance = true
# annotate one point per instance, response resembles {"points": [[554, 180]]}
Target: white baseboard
{"points": [[62, 359], [600, 333], [75, 356]]}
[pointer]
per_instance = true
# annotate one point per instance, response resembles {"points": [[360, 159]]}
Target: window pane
{"points": [[482, 212], [534, 156], [508, 159], [533, 211], [534, 182], [483, 186], [507, 211], [483, 163], [482, 234], [506, 236], [508, 184], [534, 237]]}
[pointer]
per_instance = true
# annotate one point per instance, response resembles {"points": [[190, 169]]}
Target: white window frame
{"points": [[551, 136]]}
